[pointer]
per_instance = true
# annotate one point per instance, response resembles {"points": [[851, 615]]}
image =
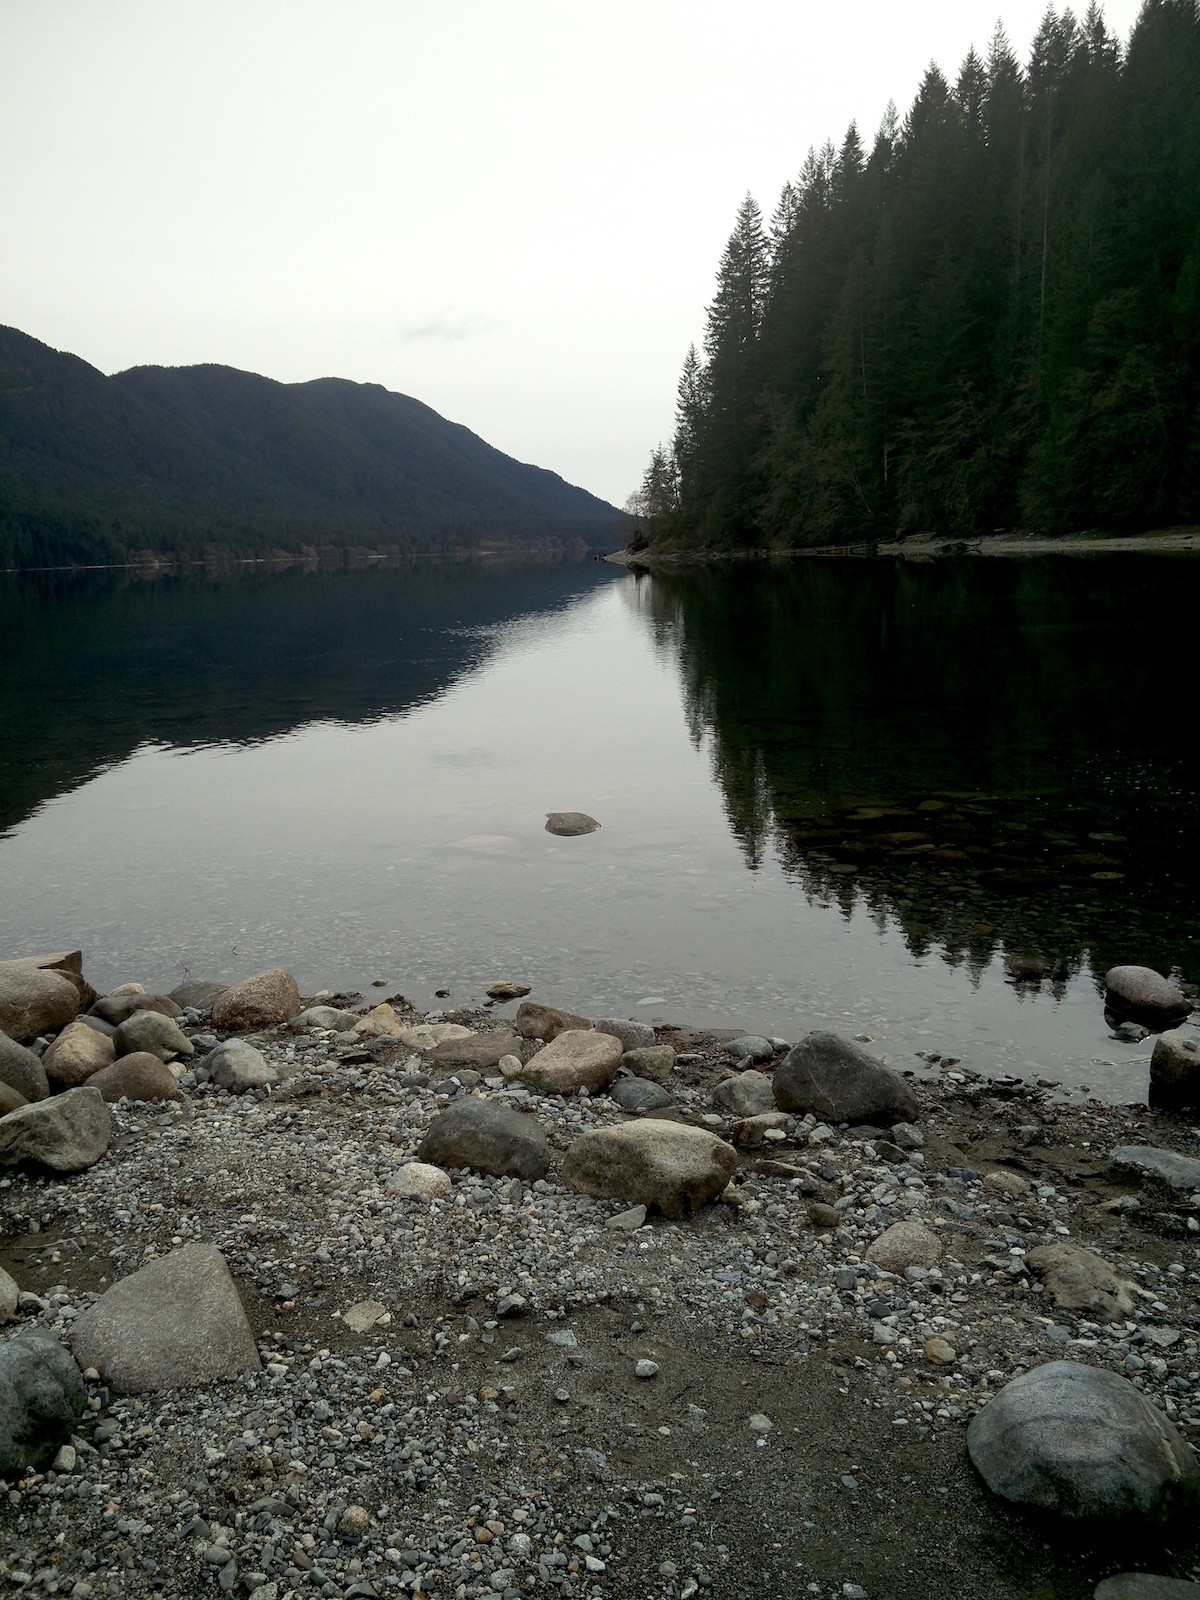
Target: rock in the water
{"points": [[1146, 1586], [639, 1094], [838, 1081], [149, 1031], [125, 1002], [238, 1066], [198, 993], [1142, 992], [575, 1060], [1084, 1443], [34, 1000], [569, 824], [21, 1070], [175, 1323], [419, 1181], [77, 1053], [656, 1061], [633, 1035], [751, 1045], [41, 1397], [140, 1076], [258, 1002], [1175, 1071], [1077, 1280], [534, 1021], [906, 1244], [1146, 1160], [488, 1138], [746, 1094], [506, 989], [668, 1165], [10, 1100], [66, 1133]]}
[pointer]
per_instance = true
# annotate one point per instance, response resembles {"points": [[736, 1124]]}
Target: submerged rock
{"points": [[569, 824], [1142, 992]]}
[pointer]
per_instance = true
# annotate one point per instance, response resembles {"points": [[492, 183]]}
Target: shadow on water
{"points": [[94, 665], [999, 755]]}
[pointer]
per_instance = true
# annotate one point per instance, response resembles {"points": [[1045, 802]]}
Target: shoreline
{"points": [[927, 547], [448, 1403]]}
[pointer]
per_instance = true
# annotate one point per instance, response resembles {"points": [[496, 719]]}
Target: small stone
{"points": [[353, 1523], [1007, 1183], [627, 1221], [760, 1423], [646, 1369], [906, 1244], [419, 1180], [823, 1216], [940, 1351], [365, 1315], [570, 824]]}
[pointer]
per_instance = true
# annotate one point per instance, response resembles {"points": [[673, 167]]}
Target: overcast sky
{"points": [[511, 209]]}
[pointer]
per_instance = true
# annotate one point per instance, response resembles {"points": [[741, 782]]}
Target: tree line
{"points": [[990, 320]]}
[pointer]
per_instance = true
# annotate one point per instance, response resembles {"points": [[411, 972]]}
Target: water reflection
{"points": [[997, 755], [95, 665]]}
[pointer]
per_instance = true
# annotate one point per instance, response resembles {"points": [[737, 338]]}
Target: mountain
{"points": [[207, 460]]}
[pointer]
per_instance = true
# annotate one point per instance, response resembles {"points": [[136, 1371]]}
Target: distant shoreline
{"points": [[919, 547]]}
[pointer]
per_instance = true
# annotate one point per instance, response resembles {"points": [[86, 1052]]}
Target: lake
{"points": [[929, 803]]}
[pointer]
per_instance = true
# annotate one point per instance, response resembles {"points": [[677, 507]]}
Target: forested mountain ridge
{"points": [[991, 320], [209, 460]]}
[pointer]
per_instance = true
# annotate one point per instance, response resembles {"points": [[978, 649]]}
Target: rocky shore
{"points": [[309, 1295]]}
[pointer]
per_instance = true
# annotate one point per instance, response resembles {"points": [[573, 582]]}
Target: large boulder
{"points": [[34, 1000], [258, 1002], [633, 1035], [1175, 1071], [488, 1138], [1077, 1280], [1084, 1443], [639, 1094], [66, 1133], [656, 1061], [173, 1324], [1144, 994], [238, 1066], [41, 1397], [66, 964], [534, 1021], [575, 1060], [149, 1031], [141, 1076], [198, 993], [746, 1094], [125, 1002], [10, 1100], [480, 1053], [906, 1244], [669, 1165], [839, 1081], [21, 1070], [1167, 1166], [76, 1055]]}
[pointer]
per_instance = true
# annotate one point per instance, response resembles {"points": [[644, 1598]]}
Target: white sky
{"points": [[511, 209]]}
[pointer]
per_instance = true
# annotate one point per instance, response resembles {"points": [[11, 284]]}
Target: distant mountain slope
{"points": [[206, 459]]}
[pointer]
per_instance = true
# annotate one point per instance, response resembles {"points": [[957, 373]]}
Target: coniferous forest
{"points": [[988, 318]]}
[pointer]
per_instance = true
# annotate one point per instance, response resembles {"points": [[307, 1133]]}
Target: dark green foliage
{"points": [[991, 320], [211, 461]]}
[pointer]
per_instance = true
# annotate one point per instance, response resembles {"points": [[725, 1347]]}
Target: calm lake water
{"points": [[928, 803]]}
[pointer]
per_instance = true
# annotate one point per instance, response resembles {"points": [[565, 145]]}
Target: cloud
{"points": [[443, 329]]}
